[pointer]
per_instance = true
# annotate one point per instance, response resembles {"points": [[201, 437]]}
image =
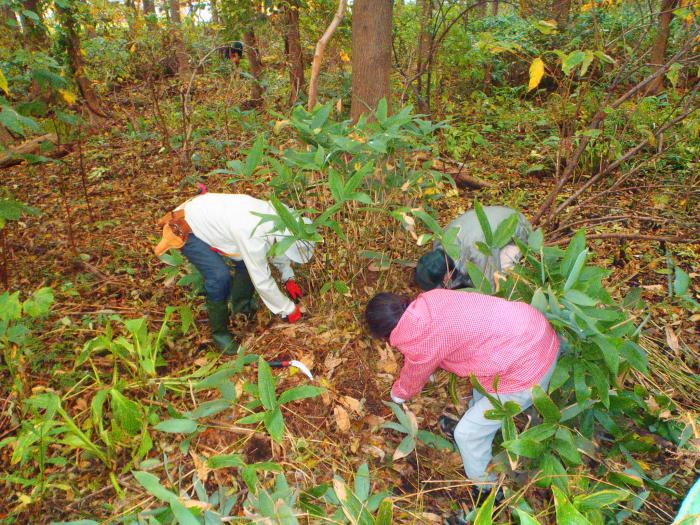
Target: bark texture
{"points": [[561, 10], [658, 50], [295, 56], [425, 42], [371, 54], [181, 56], [320, 49], [75, 55], [252, 53]]}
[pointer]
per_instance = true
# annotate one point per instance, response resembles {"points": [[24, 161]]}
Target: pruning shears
{"points": [[293, 363]]}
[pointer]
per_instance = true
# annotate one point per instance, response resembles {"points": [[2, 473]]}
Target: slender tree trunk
{"points": [[425, 42], [560, 10], [149, 11], [214, 12], [320, 48], [34, 31], [253, 54], [295, 57], [75, 55], [658, 50], [181, 56], [371, 55], [494, 8]]}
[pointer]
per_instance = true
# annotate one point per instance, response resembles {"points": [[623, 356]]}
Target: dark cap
{"points": [[431, 270]]}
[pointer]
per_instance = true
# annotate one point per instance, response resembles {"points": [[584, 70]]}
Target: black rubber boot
{"points": [[243, 294], [218, 320], [447, 426]]}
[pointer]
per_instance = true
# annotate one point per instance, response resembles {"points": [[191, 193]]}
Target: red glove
{"points": [[294, 290], [294, 316]]}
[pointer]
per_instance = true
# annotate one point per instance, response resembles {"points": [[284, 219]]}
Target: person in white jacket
{"points": [[213, 227]]}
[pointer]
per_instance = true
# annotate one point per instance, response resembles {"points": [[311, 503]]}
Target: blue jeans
{"points": [[212, 266]]}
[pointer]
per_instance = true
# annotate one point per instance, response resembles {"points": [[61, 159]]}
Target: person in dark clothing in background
{"points": [[232, 52]]}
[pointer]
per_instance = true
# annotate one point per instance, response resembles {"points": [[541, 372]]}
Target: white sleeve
{"points": [[254, 255], [284, 265]]}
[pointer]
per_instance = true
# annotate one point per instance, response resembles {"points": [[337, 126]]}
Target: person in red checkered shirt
{"points": [[509, 346]]}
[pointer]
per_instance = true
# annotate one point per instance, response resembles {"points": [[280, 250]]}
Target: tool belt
{"points": [[176, 231]]}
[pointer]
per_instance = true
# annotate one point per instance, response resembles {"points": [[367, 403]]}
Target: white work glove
{"points": [[432, 378], [397, 399]]}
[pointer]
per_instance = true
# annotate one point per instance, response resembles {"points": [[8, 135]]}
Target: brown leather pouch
{"points": [[176, 231]]}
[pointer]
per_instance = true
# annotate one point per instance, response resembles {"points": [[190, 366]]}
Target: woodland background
{"points": [[382, 121]]}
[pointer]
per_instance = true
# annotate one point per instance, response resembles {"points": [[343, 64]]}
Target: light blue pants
{"points": [[474, 433]]}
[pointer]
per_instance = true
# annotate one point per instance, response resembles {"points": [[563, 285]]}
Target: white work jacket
{"points": [[226, 222]]}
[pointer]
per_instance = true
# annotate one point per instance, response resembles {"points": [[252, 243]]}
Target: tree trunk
{"points": [[253, 55], [34, 31], [75, 56], [371, 55], [561, 9], [295, 57], [318, 52], [214, 12], [658, 50], [181, 56], [149, 11], [494, 8], [425, 42]]}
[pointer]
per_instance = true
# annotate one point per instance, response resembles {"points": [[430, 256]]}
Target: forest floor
{"points": [[95, 248]]}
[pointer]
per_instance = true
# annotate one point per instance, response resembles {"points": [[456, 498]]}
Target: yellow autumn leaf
{"points": [[3, 83], [344, 56], [68, 96], [536, 73]]}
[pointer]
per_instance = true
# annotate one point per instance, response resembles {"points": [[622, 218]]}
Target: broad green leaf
{"points": [[566, 512], [536, 240], [573, 59], [505, 231], [177, 426], [545, 406], [579, 298], [575, 273], [362, 483], [600, 499], [152, 484], [681, 283], [536, 73], [403, 418], [209, 408], [553, 472], [610, 352], [524, 447], [539, 432], [587, 61], [300, 392], [266, 385], [483, 222], [225, 461], [481, 283], [576, 246], [39, 304], [566, 447], [407, 445], [539, 300], [385, 515], [429, 221], [182, 514], [433, 440], [274, 422], [126, 413], [635, 355], [525, 518], [254, 155], [485, 514]]}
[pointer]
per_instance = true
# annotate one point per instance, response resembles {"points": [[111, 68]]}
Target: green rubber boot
{"points": [[218, 320], [243, 294]]}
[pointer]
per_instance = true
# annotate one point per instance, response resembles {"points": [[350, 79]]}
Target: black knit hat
{"points": [[431, 270]]}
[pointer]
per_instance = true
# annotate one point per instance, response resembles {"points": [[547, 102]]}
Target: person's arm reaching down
{"points": [[254, 254], [415, 373]]}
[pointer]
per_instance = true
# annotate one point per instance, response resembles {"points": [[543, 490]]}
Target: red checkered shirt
{"points": [[471, 333]]}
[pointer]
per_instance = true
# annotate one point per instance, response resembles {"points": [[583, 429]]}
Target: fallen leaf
{"points": [[353, 404], [672, 339], [374, 451], [342, 419], [387, 361], [200, 467]]}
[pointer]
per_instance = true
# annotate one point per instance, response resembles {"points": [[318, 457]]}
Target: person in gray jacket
{"points": [[436, 269]]}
